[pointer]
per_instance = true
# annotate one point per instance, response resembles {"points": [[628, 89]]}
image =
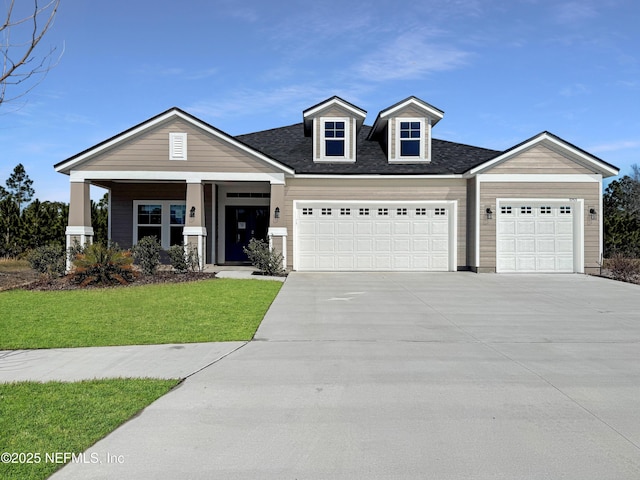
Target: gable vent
{"points": [[177, 146]]}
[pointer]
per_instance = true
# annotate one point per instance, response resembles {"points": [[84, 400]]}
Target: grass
{"points": [[205, 311], [47, 420], [13, 265]]}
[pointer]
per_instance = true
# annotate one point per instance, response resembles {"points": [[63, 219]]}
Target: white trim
{"points": [[177, 146], [540, 177], [109, 224], [202, 231], [165, 225], [436, 114], [379, 177], [577, 205], [166, 116], [421, 158], [601, 223], [551, 142], [277, 231], [451, 204], [189, 177], [348, 136], [477, 180], [79, 230], [334, 101]]}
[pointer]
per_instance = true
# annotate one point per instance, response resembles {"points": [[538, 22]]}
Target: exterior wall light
{"points": [[276, 213], [592, 213], [489, 213], [192, 212]]}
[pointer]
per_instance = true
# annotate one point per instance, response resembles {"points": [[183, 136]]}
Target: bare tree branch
{"points": [[19, 61]]}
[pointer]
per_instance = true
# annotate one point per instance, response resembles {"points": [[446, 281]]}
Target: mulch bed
{"points": [[64, 283]]}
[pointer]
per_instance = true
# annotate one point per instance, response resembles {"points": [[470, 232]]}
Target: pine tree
{"points": [[19, 186]]}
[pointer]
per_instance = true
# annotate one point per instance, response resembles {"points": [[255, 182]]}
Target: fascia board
{"points": [[335, 101], [433, 112]]}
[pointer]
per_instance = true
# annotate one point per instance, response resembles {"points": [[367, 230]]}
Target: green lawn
{"points": [[205, 311], [47, 422]]}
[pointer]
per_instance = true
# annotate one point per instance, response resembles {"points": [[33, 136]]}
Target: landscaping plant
{"points": [[184, 259], [48, 260], [147, 254], [265, 259], [101, 264]]}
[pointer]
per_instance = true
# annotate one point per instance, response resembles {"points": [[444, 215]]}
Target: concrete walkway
{"points": [[444, 376]]}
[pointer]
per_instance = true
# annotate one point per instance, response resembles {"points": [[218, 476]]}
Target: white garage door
{"points": [[344, 236], [535, 237]]}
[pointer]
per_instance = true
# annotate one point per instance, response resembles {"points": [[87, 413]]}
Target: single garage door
{"points": [[347, 236], [535, 236]]}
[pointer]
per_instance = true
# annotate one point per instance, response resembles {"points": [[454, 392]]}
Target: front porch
{"points": [[216, 217]]}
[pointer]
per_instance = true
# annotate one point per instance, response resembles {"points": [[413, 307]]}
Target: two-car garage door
{"points": [[356, 236]]}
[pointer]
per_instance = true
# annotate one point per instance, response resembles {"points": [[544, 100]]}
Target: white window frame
{"points": [[348, 140], [165, 225], [177, 146], [425, 140]]}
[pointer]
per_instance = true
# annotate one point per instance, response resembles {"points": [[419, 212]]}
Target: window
{"points": [[421, 211], [177, 146], [326, 211], [383, 211], [401, 211], [506, 210], [307, 211], [565, 210], [545, 210], [410, 139], [525, 210], [334, 138], [248, 195], [161, 219], [345, 211], [364, 211], [440, 211]]}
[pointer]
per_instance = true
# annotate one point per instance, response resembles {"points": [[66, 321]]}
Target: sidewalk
{"points": [[74, 364]]}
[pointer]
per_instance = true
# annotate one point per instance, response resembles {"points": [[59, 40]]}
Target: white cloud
{"points": [[615, 146], [574, 90], [574, 12], [411, 55]]}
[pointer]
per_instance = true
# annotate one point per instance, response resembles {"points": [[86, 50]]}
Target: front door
{"points": [[241, 225]]}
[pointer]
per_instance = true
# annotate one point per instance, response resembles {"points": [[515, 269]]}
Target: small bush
{"points": [[49, 260], [103, 265], [147, 254], [263, 258], [624, 268], [183, 259]]}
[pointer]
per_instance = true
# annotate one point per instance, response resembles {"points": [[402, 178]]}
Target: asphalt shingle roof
{"points": [[289, 146]]}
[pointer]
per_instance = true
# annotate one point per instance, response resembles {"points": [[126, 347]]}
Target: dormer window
{"points": [[411, 138], [334, 139]]}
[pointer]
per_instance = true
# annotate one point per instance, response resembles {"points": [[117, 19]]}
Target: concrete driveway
{"points": [[443, 376]]}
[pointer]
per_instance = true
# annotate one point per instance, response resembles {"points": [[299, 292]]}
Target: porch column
{"points": [[277, 224], [195, 232], [79, 230]]}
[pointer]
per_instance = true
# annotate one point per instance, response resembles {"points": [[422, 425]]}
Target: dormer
{"points": [[333, 125], [404, 130]]}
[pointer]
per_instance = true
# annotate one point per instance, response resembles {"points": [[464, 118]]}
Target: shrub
{"points": [[265, 259], [624, 268], [103, 265], [147, 254], [49, 260], [183, 259]]}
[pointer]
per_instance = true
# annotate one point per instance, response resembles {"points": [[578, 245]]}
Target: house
{"points": [[331, 193]]}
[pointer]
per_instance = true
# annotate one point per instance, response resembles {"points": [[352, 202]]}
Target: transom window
{"points": [[161, 219], [410, 135], [334, 135]]}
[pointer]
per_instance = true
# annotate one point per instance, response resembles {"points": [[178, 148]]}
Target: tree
{"points": [[19, 186], [622, 216], [21, 32]]}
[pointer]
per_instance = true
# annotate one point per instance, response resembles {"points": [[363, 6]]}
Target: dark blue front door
{"points": [[241, 225]]}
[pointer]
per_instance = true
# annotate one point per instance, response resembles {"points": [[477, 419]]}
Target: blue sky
{"points": [[501, 71]]}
